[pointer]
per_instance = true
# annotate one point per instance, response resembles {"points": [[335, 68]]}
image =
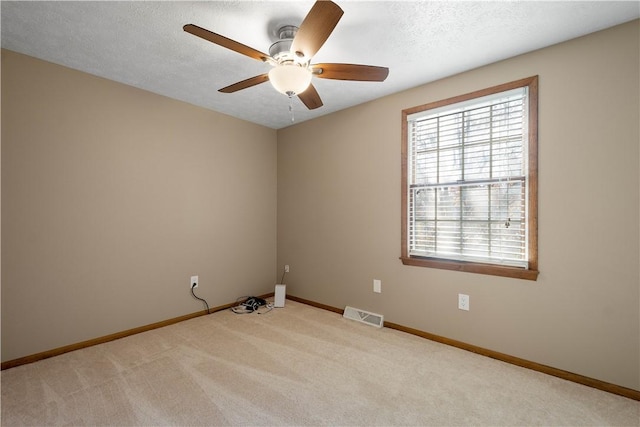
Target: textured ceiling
{"points": [[142, 44]]}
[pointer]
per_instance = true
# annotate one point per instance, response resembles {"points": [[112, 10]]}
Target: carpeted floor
{"points": [[297, 365]]}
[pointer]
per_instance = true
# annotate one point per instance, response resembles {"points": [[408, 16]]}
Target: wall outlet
{"points": [[193, 283], [463, 302], [286, 268], [377, 286]]}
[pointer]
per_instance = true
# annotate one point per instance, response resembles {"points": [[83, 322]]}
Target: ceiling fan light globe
{"points": [[290, 79]]}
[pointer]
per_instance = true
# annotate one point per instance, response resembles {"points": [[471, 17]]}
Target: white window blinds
{"points": [[467, 180]]}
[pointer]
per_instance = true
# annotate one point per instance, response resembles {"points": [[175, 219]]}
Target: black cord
{"points": [[283, 273], [201, 299], [248, 304]]}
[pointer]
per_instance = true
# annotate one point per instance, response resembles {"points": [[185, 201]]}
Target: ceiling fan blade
{"points": [[316, 27], [310, 98], [365, 73], [245, 84], [225, 42]]}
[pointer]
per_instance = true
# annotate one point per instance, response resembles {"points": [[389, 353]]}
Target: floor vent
{"points": [[367, 317]]}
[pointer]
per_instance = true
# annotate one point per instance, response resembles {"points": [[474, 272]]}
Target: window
{"points": [[469, 182]]}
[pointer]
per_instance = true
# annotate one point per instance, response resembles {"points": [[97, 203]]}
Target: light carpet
{"points": [[296, 365]]}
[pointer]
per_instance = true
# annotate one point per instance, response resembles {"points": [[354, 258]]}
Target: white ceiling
{"points": [[142, 44]]}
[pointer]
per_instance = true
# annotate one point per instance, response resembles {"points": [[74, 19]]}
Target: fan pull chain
{"points": [[291, 109]]}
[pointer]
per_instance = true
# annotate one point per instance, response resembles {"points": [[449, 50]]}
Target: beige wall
{"points": [[112, 197], [339, 215]]}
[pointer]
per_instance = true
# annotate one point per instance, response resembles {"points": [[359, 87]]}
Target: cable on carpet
{"points": [[250, 304]]}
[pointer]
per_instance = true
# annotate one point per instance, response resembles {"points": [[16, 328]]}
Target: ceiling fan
{"points": [[290, 56]]}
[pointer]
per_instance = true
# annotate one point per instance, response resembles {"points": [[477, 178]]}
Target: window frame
{"points": [[529, 273]]}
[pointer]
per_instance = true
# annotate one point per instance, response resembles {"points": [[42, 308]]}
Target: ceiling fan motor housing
{"points": [[281, 50]]}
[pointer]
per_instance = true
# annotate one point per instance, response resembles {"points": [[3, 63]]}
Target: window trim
{"points": [[529, 273]]}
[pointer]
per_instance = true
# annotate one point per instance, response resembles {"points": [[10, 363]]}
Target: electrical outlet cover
{"points": [[377, 286], [194, 279], [463, 302]]}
